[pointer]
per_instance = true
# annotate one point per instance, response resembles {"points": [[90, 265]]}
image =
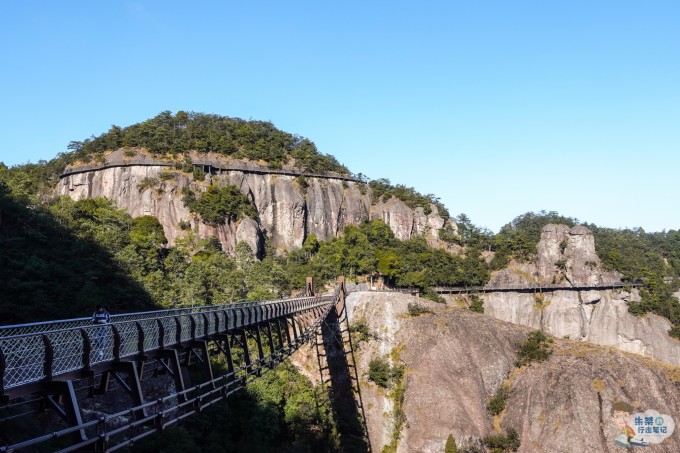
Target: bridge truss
{"points": [[52, 365]]}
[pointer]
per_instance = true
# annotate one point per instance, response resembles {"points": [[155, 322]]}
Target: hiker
{"points": [[100, 317]]}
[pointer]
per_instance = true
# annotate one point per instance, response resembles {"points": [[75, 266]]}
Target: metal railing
{"points": [[116, 431], [35, 352], [538, 287]]}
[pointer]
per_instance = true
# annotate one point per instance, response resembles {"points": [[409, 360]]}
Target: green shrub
{"points": [[166, 175], [449, 235], [379, 372], [503, 442], [476, 304], [147, 183], [415, 309], [302, 182], [397, 395], [383, 189], [198, 173], [217, 204], [535, 349], [184, 225], [383, 374], [430, 294], [675, 332], [496, 405], [450, 446], [360, 331], [129, 153]]}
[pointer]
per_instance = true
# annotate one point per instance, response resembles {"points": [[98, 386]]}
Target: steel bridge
{"points": [[49, 366]]}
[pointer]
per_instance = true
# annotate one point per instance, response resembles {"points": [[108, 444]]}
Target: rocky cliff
{"points": [[566, 256], [289, 209], [455, 361]]}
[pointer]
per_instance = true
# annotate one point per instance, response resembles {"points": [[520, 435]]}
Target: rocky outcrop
{"points": [[566, 256], [288, 209], [561, 405]]}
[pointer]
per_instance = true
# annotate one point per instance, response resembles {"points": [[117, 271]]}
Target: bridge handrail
{"points": [[634, 283], [34, 356], [164, 411], [59, 324]]}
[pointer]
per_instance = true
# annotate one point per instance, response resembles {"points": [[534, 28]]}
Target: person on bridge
{"points": [[100, 317]]}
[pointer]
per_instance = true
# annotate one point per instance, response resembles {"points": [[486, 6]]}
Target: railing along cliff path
{"points": [[536, 287]]}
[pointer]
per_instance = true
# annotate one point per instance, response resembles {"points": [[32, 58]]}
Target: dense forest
{"points": [[191, 131]]}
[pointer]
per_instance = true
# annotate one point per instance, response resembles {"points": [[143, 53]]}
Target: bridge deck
{"points": [[35, 353]]}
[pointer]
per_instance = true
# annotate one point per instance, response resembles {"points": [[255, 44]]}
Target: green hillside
{"points": [[190, 131]]}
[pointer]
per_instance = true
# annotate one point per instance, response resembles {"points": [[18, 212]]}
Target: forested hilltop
{"points": [[190, 131]]}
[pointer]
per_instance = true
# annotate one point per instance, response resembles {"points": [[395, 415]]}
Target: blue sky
{"points": [[497, 107]]}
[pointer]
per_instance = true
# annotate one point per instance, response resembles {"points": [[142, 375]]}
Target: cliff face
{"points": [[566, 256], [561, 405], [287, 212]]}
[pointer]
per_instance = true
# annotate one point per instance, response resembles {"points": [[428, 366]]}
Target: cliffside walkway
{"points": [[54, 365], [207, 165], [534, 288]]}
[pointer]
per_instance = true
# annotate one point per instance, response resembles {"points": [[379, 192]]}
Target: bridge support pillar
{"points": [[175, 369], [257, 332], [65, 405], [246, 355], [270, 340], [132, 384], [207, 367], [224, 345]]}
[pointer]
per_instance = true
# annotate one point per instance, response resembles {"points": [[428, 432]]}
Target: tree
{"points": [[450, 446]]}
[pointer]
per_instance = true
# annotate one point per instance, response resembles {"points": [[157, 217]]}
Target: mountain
{"points": [[456, 362], [290, 202]]}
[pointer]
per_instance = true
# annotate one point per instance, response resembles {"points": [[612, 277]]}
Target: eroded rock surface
{"points": [[566, 257], [456, 360], [287, 211]]}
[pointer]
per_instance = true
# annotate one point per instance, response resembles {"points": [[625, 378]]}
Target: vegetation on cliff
{"points": [[192, 131], [383, 190], [517, 240], [58, 260], [371, 248], [217, 204]]}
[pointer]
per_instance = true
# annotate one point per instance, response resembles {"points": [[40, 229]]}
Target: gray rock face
{"points": [[407, 223], [287, 212], [567, 257], [455, 361]]}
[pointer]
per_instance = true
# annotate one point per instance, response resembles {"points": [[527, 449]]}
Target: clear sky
{"points": [[497, 107]]}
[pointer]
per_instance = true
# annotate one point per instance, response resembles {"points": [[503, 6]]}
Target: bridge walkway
{"points": [[49, 361]]}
